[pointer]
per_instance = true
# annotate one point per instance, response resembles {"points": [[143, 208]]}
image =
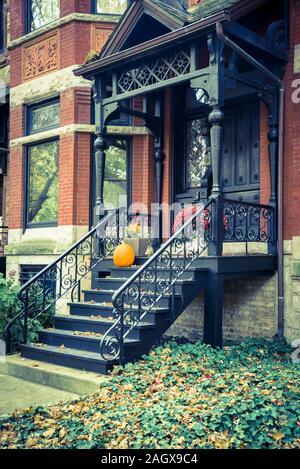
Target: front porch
{"points": [[209, 105]]}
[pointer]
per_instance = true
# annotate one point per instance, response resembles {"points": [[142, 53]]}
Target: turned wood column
{"points": [[100, 146], [215, 118]]}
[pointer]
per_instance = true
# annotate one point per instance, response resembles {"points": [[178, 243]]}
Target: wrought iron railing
{"points": [[3, 238], [247, 222], [39, 296], [156, 278]]}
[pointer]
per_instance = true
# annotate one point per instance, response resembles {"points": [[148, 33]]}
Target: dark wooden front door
{"points": [[240, 177], [192, 150], [240, 166]]}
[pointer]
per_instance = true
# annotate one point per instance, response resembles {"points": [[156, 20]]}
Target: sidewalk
{"points": [[16, 393]]}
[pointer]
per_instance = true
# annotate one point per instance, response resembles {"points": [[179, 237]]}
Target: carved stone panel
{"points": [[100, 35], [41, 56]]}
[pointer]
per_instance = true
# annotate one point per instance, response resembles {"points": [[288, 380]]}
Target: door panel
{"points": [[241, 150], [240, 166]]}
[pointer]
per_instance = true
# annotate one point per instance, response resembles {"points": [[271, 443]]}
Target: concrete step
{"points": [[54, 376]]}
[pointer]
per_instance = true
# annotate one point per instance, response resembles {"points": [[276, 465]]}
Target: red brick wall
{"points": [[75, 106], [69, 6], [292, 136], [16, 9], [15, 192], [143, 171], [265, 190], [16, 122]]}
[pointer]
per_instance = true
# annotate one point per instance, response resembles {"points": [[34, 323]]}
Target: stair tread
{"points": [[124, 279], [67, 333], [113, 291], [110, 306], [98, 320], [66, 352]]}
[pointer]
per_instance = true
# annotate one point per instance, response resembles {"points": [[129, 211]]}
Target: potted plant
{"points": [[135, 238]]}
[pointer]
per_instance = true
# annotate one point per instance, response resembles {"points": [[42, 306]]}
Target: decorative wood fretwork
{"points": [[100, 36], [41, 56], [155, 71]]}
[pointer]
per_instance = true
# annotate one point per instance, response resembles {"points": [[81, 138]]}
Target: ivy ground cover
{"points": [[179, 396]]}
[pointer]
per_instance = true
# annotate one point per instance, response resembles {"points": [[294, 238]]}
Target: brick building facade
{"points": [[37, 66]]}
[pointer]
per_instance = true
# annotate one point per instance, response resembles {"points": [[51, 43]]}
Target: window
{"points": [[42, 184], [42, 166], [196, 151], [42, 117], [116, 180], [113, 7], [2, 27], [29, 271], [39, 13]]}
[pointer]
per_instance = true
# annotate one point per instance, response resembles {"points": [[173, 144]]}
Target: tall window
{"points": [[116, 7], [116, 175], [42, 171], [42, 167], [41, 12]]}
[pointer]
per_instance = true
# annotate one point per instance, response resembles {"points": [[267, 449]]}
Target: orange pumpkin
{"points": [[124, 255]]}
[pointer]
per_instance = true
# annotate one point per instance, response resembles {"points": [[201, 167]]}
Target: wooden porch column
{"points": [[100, 146], [216, 118], [159, 158]]}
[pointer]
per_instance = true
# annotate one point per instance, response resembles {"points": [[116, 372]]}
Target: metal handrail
{"points": [[48, 273], [112, 346], [157, 253]]}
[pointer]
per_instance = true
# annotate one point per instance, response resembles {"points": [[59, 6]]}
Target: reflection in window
{"points": [[111, 6], [115, 181], [44, 117], [42, 12], [42, 183], [196, 150]]}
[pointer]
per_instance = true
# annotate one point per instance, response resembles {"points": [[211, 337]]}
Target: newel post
{"points": [[100, 146]]}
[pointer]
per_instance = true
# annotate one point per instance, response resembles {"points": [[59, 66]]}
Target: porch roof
{"points": [[206, 15]]}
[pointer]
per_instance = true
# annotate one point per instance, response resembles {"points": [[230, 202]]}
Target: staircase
{"points": [[74, 341], [127, 310]]}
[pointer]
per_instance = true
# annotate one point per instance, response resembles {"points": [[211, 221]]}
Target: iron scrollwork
{"points": [[38, 297], [154, 71], [156, 279], [247, 222]]}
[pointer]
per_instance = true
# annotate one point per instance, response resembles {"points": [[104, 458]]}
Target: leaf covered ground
{"points": [[179, 396]]}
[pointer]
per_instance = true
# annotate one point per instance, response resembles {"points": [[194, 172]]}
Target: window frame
{"points": [[27, 224], [95, 12], [39, 104], [112, 137], [28, 18]]}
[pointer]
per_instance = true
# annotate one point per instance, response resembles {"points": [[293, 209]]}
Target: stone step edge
{"points": [[55, 376]]}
